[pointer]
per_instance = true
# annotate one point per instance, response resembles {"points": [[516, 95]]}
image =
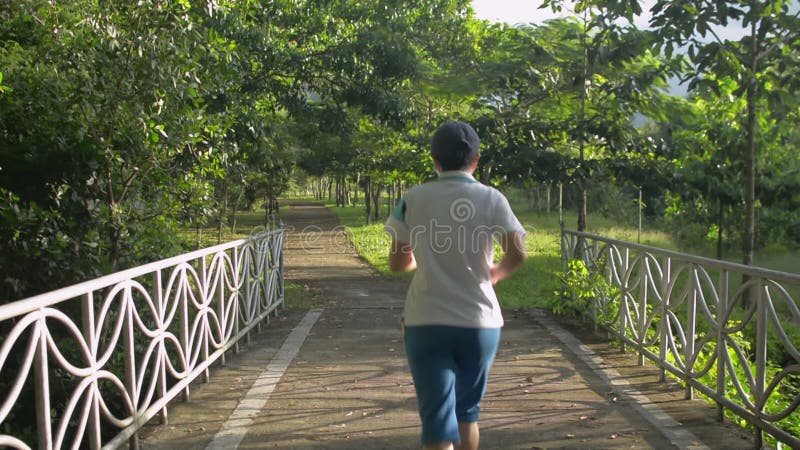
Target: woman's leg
{"points": [[430, 357], [470, 436], [439, 446], [474, 358]]}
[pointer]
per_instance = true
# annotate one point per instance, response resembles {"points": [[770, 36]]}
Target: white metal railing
{"points": [[688, 314], [122, 346]]}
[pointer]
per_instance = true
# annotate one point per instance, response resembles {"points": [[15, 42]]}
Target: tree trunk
{"points": [[749, 232], [355, 189], [376, 200], [538, 200], [582, 130], [549, 188], [223, 209], [266, 209], [116, 243], [235, 210], [368, 197], [339, 192], [389, 199]]}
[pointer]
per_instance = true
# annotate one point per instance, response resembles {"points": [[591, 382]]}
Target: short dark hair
{"points": [[454, 145]]}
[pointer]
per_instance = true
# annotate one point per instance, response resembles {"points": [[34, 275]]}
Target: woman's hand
{"points": [[401, 257]]}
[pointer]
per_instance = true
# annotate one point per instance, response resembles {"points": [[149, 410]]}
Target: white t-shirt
{"points": [[451, 224]]}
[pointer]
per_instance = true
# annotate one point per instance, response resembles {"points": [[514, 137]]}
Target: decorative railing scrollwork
{"points": [[122, 346], [727, 330]]}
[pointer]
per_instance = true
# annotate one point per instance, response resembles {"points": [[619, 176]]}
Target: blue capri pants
{"points": [[450, 368]]}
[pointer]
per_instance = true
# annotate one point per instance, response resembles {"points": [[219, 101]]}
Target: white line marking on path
{"points": [[669, 427], [235, 428]]}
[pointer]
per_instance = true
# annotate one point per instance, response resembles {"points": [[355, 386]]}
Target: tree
{"points": [[762, 63], [103, 106], [545, 120]]}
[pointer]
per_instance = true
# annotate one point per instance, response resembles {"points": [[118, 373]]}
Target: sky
{"points": [[527, 11]]}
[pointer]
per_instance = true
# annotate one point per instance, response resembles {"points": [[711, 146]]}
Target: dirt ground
{"points": [[348, 387]]}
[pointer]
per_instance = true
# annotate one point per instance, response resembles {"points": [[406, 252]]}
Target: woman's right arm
{"points": [[513, 245], [401, 257]]}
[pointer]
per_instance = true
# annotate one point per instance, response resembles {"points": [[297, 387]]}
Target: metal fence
{"points": [[727, 330], [100, 359]]}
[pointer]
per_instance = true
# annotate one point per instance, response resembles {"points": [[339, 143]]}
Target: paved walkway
{"points": [[336, 378]]}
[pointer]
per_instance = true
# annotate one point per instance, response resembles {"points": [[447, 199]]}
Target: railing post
{"points": [[623, 307], [42, 378], [184, 319], [262, 264], [663, 324], [89, 335], [691, 324], [761, 357], [130, 359], [722, 346], [643, 287], [237, 298], [207, 329], [219, 280], [266, 273], [281, 239], [158, 297], [249, 258]]}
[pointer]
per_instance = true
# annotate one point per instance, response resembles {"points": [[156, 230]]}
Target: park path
{"points": [[336, 378]]}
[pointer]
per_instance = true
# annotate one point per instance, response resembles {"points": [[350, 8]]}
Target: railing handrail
{"points": [[29, 304]]}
